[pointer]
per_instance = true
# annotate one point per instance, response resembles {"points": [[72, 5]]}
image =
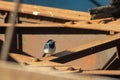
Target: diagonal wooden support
{"points": [[87, 49], [23, 59]]}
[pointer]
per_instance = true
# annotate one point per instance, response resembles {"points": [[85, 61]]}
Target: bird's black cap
{"points": [[50, 40]]}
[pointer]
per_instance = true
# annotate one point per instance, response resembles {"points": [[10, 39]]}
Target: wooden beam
{"points": [[11, 71], [34, 25], [46, 11], [103, 72], [101, 27], [87, 49], [97, 43], [95, 26], [31, 61], [22, 58], [10, 31]]}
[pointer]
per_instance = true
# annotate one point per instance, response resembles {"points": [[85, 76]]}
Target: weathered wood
{"points": [[101, 27], [10, 32], [34, 25], [33, 62], [87, 49], [95, 26], [22, 58], [45, 11], [103, 72], [97, 43], [118, 51], [11, 71]]}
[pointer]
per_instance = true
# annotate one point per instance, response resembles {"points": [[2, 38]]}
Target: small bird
{"points": [[49, 48]]}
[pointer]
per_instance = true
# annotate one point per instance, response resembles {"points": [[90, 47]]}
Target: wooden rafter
{"points": [[87, 49]]}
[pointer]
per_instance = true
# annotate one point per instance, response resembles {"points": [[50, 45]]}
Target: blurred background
{"points": [[79, 5]]}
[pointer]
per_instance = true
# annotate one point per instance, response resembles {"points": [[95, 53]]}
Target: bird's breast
{"points": [[49, 51]]}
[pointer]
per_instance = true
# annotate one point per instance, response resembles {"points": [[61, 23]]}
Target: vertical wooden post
{"points": [[9, 32]]}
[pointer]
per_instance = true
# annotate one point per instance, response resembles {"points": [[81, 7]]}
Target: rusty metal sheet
{"points": [[63, 42], [95, 61]]}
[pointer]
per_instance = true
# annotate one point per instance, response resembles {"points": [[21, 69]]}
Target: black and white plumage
{"points": [[49, 48]]}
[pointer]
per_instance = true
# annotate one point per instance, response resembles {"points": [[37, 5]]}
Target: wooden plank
{"points": [[22, 58], [47, 64], [34, 25], [10, 71], [46, 11], [95, 26], [101, 27], [10, 32], [31, 61], [34, 21], [102, 72]]}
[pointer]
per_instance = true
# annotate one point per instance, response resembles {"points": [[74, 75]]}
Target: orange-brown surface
{"points": [[33, 44]]}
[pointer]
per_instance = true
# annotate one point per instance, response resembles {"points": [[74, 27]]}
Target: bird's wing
{"points": [[46, 46]]}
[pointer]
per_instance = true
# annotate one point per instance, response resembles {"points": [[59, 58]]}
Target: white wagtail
{"points": [[49, 48]]}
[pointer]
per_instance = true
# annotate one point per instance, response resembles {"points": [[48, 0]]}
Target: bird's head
{"points": [[51, 41]]}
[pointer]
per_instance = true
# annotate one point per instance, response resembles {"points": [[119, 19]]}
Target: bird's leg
{"points": [[48, 55]]}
